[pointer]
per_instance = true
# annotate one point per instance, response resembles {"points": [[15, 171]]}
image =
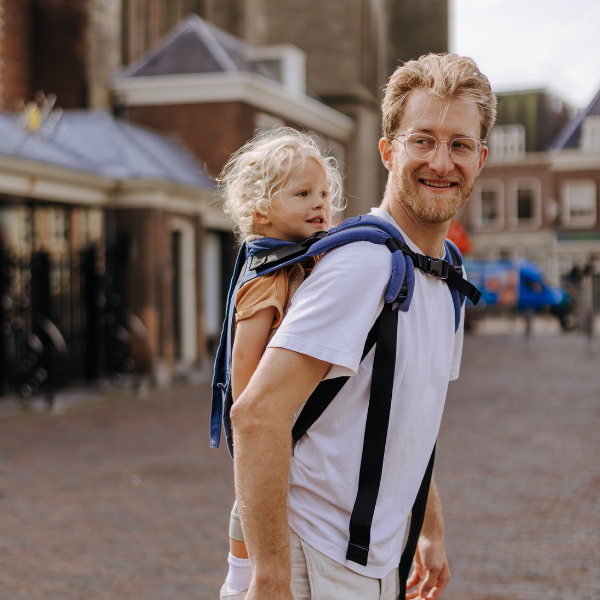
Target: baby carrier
{"points": [[265, 255]]}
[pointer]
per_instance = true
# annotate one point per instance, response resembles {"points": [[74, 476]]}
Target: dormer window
{"points": [[284, 63], [590, 133], [507, 142]]}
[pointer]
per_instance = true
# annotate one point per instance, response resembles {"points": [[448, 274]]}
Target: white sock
{"points": [[240, 573]]}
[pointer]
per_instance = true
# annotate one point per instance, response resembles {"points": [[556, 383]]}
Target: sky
{"points": [[524, 44]]}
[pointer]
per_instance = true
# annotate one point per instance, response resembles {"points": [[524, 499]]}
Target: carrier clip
{"points": [[437, 267]]}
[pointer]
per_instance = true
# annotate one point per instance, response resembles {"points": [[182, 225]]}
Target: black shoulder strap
{"points": [[378, 418], [326, 391], [384, 332], [416, 524]]}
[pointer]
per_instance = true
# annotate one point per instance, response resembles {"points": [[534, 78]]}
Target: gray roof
{"points": [[97, 142], [196, 46], [570, 136]]}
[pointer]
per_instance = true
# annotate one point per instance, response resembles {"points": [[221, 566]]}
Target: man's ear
{"points": [[385, 149], [482, 159]]}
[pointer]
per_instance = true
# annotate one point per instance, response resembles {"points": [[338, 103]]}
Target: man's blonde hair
{"points": [[443, 76], [260, 168]]}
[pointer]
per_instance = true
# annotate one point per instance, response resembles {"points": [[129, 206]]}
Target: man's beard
{"points": [[429, 206]]}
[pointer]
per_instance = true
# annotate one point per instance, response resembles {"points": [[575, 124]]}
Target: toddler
{"points": [[279, 185]]}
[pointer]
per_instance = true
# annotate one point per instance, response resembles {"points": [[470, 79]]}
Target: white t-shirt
{"points": [[329, 319]]}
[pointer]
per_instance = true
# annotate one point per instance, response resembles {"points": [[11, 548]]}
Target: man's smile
{"points": [[438, 184]]}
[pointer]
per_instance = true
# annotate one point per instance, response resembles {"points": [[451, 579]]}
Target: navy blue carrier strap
{"points": [[449, 268]]}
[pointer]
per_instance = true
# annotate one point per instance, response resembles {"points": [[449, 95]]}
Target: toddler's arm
{"points": [[248, 346]]}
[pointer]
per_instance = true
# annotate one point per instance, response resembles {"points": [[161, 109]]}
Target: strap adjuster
{"points": [[357, 553], [315, 237]]}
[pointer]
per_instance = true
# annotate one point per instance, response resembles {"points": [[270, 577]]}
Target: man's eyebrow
{"points": [[430, 132]]}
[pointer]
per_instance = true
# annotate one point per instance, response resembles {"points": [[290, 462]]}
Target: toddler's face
{"points": [[301, 208]]}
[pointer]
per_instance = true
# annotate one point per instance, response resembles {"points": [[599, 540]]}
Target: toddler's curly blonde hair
{"points": [[259, 169]]}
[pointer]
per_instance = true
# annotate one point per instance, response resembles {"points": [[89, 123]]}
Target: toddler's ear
{"points": [[261, 219]]}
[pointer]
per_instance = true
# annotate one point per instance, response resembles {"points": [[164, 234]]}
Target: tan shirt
{"points": [[275, 289]]}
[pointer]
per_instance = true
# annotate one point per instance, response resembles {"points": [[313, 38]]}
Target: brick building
{"points": [[537, 196]]}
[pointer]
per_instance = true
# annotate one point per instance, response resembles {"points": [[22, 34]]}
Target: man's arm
{"points": [[262, 423], [431, 572]]}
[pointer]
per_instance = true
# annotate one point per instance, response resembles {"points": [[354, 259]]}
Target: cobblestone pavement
{"points": [[120, 500], [124, 500], [519, 471]]}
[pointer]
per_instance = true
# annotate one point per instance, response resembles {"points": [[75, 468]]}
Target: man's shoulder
{"points": [[360, 253], [346, 269]]}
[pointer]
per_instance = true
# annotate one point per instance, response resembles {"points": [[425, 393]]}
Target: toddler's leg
{"points": [[237, 546], [240, 569]]}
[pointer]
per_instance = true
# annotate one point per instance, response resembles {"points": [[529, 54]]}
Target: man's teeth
{"points": [[437, 184]]}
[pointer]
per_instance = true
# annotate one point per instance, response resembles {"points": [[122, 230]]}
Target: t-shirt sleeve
{"points": [[459, 337], [334, 309], [263, 292]]}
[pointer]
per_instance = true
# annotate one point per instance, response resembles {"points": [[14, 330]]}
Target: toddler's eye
{"points": [[303, 194]]}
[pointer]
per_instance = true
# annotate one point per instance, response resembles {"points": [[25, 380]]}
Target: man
{"points": [[437, 112]]}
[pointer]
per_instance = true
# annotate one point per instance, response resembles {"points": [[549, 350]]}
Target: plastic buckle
{"points": [[438, 267]]}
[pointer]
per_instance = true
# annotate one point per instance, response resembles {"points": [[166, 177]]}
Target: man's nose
{"points": [[441, 162]]}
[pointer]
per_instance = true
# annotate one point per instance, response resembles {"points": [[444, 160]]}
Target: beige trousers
{"points": [[317, 577]]}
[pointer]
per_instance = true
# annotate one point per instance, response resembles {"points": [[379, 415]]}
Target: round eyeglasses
{"points": [[420, 146]]}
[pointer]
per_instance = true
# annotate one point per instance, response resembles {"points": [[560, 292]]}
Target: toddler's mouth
{"points": [[319, 220]]}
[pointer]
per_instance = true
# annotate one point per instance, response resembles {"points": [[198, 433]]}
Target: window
{"points": [[590, 133], [488, 205], [525, 203], [579, 203], [507, 142]]}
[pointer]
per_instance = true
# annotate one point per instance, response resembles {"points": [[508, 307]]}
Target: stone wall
{"points": [[328, 31], [416, 27], [103, 56]]}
